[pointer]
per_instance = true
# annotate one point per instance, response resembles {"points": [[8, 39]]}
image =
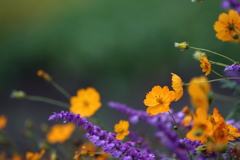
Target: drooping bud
{"points": [[44, 75], [198, 55], [182, 45], [235, 36]]}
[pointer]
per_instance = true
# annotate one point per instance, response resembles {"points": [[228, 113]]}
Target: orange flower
{"points": [[16, 157], [227, 25], [232, 131], [199, 92], [177, 86], [122, 129], [205, 65], [158, 100], [35, 156], [3, 121], [88, 149], [86, 103], [60, 132], [202, 128]]}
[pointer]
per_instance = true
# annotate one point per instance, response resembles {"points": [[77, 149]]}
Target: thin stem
{"points": [[180, 133], [234, 136], [60, 89], [218, 63], [236, 30], [224, 98], [201, 49], [47, 100], [214, 80], [218, 74]]}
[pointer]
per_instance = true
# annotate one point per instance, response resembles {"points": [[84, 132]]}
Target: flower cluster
{"points": [[107, 141]]}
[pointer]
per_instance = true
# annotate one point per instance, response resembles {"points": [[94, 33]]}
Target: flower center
{"points": [[231, 27], [159, 99]]}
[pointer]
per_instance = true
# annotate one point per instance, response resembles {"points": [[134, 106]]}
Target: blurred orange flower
{"points": [[122, 129], [158, 100], [16, 157], [202, 128], [60, 132], [88, 149], [35, 156], [3, 121], [205, 65], [227, 25], [199, 92], [177, 86], [188, 117], [86, 103]]}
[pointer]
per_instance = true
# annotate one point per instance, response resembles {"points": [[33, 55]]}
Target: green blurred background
{"points": [[121, 48]]}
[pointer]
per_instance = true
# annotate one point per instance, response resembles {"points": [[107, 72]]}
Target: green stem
{"points": [[214, 80], [218, 63], [236, 30], [60, 89], [180, 134], [47, 100], [201, 49], [234, 136], [224, 98], [218, 74]]}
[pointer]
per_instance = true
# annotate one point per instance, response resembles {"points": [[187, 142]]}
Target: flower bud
{"points": [[198, 55], [44, 75], [18, 94], [235, 36], [182, 45]]}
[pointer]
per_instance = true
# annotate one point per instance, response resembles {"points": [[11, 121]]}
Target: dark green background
{"points": [[121, 48]]}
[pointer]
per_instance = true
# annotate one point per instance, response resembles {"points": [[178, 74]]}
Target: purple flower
{"points": [[234, 4], [107, 141], [233, 67], [233, 74]]}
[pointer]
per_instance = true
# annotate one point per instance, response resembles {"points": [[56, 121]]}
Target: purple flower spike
{"points": [[107, 141]]}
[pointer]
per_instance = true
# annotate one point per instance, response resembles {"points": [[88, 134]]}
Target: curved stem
{"points": [[60, 89], [214, 80], [47, 100], [218, 63], [180, 134], [201, 49], [218, 74]]}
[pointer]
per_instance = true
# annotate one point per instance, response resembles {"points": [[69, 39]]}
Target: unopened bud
{"points": [[175, 127], [44, 75], [44, 127], [182, 45], [235, 36], [18, 94]]}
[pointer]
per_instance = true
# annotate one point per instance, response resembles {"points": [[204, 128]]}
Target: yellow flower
{"points": [[35, 156], [177, 86], [158, 100], [227, 25], [86, 103], [205, 65], [60, 132], [3, 121], [122, 129]]}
